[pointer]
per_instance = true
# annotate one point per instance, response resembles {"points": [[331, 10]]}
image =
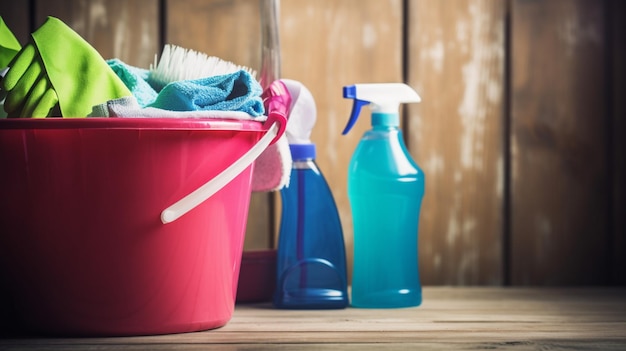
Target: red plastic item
{"points": [[257, 276], [82, 249]]}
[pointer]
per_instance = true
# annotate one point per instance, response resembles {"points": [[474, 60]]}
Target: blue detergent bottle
{"points": [[311, 260], [385, 190]]}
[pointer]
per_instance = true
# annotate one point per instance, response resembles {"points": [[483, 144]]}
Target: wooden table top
{"points": [[458, 318]]}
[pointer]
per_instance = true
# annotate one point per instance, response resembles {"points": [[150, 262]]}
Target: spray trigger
{"points": [[349, 92]]}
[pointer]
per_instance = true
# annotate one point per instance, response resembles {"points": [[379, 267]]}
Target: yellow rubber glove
{"points": [[58, 67]]}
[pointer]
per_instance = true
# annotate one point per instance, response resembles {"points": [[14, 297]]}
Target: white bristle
{"points": [[178, 63]]}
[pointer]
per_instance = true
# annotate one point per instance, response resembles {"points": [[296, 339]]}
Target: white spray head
{"points": [[303, 113], [382, 97]]}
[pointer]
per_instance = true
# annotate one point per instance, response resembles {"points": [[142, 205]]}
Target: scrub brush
{"points": [[178, 64]]}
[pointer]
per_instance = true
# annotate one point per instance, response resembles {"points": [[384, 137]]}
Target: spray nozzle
{"points": [[383, 97], [303, 113]]}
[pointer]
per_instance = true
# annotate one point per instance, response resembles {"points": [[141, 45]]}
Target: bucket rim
{"points": [[134, 123]]}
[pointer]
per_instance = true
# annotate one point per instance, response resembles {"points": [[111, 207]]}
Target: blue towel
{"points": [[136, 80], [237, 91]]}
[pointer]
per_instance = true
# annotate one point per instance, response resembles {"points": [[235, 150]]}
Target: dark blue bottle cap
{"points": [[302, 151]]}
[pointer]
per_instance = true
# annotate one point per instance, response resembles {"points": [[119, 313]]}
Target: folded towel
{"points": [[237, 91]]}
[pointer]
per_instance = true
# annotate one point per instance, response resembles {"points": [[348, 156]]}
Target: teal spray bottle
{"points": [[385, 190], [311, 261]]}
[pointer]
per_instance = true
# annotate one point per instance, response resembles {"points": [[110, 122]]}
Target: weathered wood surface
{"points": [[449, 318], [456, 62], [520, 133], [117, 28]]}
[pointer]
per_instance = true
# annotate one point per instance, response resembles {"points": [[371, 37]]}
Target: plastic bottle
{"points": [[311, 260], [385, 190]]}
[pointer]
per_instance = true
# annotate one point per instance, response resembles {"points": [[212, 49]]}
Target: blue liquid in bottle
{"points": [[311, 261], [385, 189]]}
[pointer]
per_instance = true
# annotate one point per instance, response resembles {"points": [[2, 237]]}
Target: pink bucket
{"points": [[83, 249]]}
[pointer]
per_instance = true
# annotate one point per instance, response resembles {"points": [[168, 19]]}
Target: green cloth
{"points": [[59, 68], [9, 46]]}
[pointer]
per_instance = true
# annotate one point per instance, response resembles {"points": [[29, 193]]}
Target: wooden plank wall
{"points": [[456, 61], [560, 180], [520, 133]]}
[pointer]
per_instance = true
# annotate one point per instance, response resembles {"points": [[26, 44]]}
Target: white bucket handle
{"points": [[207, 190]]}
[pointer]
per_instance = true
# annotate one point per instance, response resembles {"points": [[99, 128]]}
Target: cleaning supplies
{"points": [[311, 262], [270, 172], [187, 80], [385, 190], [228, 92]]}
